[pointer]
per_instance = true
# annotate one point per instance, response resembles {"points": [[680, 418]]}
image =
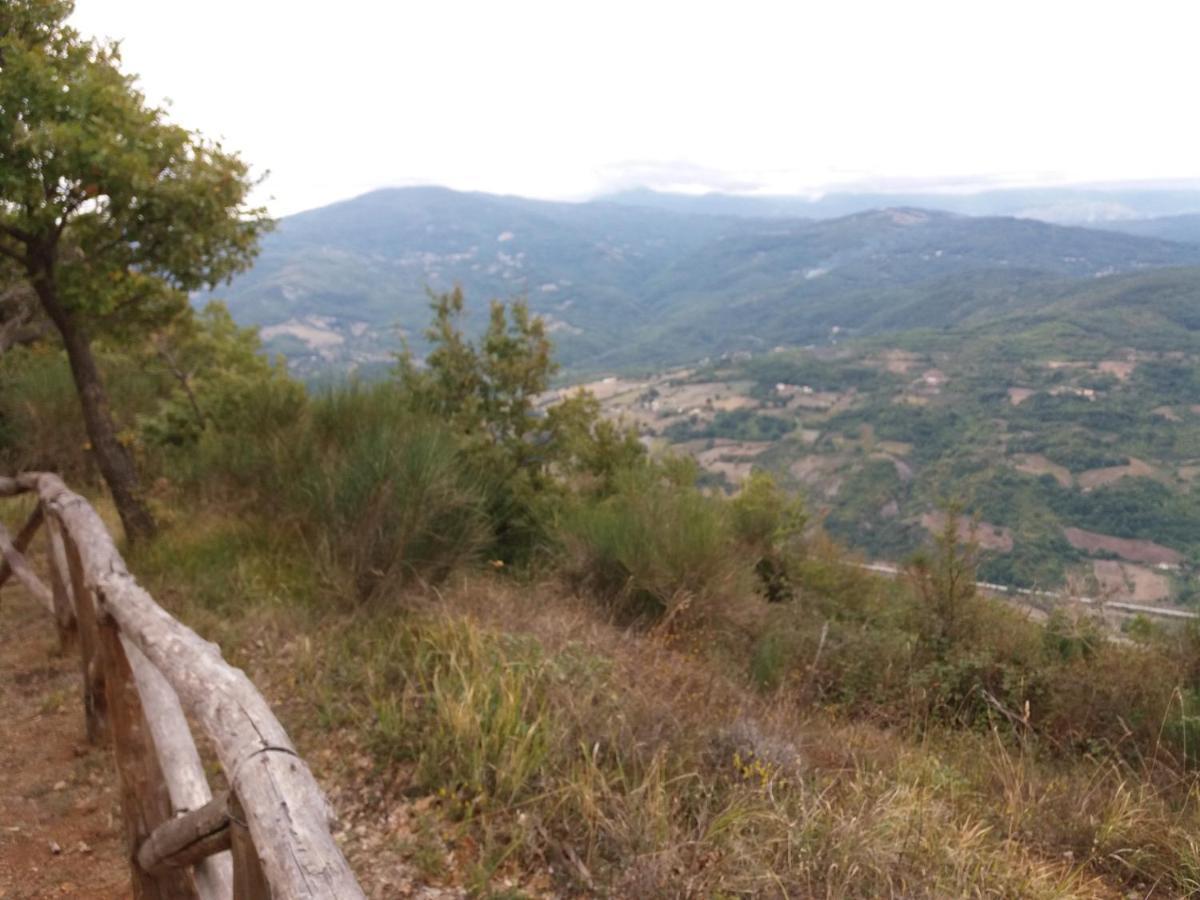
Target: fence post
{"points": [[94, 688], [145, 801], [249, 882], [60, 584]]}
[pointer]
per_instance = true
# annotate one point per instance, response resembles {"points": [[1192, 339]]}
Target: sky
{"points": [[568, 99]]}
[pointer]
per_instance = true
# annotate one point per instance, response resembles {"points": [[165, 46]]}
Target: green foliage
{"points": [[40, 406], [763, 517], [488, 394], [488, 391], [139, 210], [215, 370], [385, 491], [736, 425], [381, 493], [655, 546], [944, 578]]}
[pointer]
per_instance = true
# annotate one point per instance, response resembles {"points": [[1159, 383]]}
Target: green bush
{"points": [[383, 490], [653, 546]]}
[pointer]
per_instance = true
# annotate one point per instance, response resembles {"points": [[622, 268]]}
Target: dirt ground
{"points": [[60, 832], [1126, 548]]}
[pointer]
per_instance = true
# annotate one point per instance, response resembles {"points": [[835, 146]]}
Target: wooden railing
{"points": [[144, 674]]}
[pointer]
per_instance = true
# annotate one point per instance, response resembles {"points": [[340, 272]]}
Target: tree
{"points": [[109, 213], [768, 522], [216, 374], [944, 578], [490, 393]]}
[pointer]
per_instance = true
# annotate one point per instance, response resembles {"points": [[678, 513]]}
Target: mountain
{"points": [[1185, 229], [629, 286], [1058, 205]]}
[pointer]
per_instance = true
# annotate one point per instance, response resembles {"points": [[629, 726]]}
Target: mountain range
{"points": [[670, 279]]}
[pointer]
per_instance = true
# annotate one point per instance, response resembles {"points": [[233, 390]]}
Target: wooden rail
{"points": [[144, 674]]}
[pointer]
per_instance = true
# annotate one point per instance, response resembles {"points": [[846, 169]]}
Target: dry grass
{"points": [[543, 746]]}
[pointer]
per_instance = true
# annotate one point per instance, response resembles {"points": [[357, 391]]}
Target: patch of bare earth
{"points": [[1018, 395], [1094, 478], [60, 822], [1127, 548], [733, 459], [899, 362], [1120, 368], [1036, 464], [987, 535], [1126, 581]]}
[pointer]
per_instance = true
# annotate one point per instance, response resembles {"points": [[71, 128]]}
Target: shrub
{"points": [[383, 490], [654, 547]]}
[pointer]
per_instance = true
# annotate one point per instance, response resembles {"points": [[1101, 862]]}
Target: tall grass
{"points": [[385, 490], [380, 494], [595, 762], [41, 425]]}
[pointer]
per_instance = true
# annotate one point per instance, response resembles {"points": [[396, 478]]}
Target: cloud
{"points": [[675, 176]]}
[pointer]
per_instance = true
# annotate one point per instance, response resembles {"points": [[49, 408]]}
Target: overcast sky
{"points": [[569, 98]]}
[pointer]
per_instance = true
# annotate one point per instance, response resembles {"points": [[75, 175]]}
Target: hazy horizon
{"points": [[565, 102]]}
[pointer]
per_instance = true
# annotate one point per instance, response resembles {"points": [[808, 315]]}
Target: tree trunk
{"points": [[113, 459]]}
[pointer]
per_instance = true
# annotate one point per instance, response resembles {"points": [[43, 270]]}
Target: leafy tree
{"points": [[214, 369], [944, 578], [767, 522], [489, 392], [108, 212]]}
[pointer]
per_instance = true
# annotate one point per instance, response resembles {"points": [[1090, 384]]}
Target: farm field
{"points": [[1077, 471]]}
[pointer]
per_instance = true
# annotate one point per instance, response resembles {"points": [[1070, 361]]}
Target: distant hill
{"points": [[627, 286], [1058, 205], [1185, 229]]}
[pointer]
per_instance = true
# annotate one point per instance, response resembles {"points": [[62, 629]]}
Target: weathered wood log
{"points": [[25, 574], [10, 487], [182, 768], [95, 702], [249, 880], [187, 839], [285, 811], [21, 542], [144, 799], [60, 584]]}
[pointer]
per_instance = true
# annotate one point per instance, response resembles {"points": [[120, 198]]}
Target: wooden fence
{"points": [[144, 674]]}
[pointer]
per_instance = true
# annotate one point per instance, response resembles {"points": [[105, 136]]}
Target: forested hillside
{"points": [[1072, 430], [629, 287]]}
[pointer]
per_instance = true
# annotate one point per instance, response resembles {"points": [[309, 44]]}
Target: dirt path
{"points": [[59, 809]]}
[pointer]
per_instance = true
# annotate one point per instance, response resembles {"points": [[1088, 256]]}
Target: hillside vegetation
{"points": [[1070, 429], [573, 671], [630, 287]]}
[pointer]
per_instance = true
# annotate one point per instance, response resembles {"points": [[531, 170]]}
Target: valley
{"points": [[1078, 458], [881, 361]]}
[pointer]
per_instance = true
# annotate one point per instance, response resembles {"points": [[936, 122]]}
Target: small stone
{"points": [[60, 785], [54, 848], [82, 847]]}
